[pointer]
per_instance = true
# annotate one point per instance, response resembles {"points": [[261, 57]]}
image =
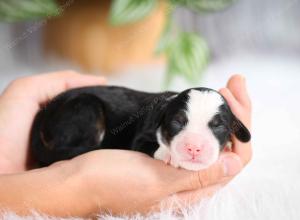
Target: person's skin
{"points": [[114, 181]]}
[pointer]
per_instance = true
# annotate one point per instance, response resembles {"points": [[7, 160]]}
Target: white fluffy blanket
{"points": [[269, 188]]}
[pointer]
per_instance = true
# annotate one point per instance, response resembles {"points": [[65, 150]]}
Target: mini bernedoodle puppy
{"points": [[187, 129]]}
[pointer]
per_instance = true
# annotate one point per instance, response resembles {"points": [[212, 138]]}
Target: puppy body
{"points": [[102, 117], [184, 128]]}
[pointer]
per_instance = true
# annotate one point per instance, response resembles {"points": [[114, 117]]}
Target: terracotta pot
{"points": [[83, 35]]}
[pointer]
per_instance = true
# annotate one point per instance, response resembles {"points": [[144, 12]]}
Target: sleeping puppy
{"points": [[187, 129]]}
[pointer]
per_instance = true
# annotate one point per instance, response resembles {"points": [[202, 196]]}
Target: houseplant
{"points": [[187, 53]]}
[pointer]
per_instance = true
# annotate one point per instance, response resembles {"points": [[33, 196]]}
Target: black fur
{"points": [[71, 124]]}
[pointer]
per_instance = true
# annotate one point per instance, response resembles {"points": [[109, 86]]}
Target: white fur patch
{"points": [[201, 107], [163, 152]]}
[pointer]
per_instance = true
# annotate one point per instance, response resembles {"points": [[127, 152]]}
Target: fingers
{"points": [[46, 86], [241, 112], [238, 99], [56, 83], [194, 186], [231, 100], [228, 165], [237, 85]]}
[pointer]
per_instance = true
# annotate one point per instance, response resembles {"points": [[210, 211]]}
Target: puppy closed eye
{"points": [[216, 122], [177, 123]]}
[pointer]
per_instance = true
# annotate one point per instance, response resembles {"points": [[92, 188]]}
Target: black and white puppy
{"points": [[187, 129]]}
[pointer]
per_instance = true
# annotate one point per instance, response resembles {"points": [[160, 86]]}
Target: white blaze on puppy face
{"points": [[195, 147]]}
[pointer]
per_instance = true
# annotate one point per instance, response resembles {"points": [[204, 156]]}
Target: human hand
{"points": [[19, 104], [239, 101], [127, 182]]}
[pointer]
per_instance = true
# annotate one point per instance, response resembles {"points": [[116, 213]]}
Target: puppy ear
{"points": [[158, 108], [160, 113], [240, 130]]}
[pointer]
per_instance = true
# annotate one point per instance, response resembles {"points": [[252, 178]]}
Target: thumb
{"points": [[229, 164]]}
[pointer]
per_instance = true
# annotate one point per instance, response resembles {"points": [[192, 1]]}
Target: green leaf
{"points": [[165, 38], [129, 11], [176, 2], [17, 10], [187, 56], [205, 5], [168, 32]]}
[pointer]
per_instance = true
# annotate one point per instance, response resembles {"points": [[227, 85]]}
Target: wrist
{"points": [[71, 185], [6, 164], [55, 190], [10, 161], [88, 186]]}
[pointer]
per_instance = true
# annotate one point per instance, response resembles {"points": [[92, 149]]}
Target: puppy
{"points": [[187, 129]]}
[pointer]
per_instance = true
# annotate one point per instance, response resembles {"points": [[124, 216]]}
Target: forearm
{"points": [[10, 159], [55, 191]]}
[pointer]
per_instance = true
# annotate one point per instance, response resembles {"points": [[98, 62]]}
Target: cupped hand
{"points": [[18, 105], [125, 182], [239, 101], [115, 181]]}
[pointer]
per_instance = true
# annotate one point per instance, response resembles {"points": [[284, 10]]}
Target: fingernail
{"points": [[232, 165], [244, 80]]}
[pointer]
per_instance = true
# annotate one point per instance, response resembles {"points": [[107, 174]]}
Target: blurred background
{"points": [[93, 38], [258, 38], [89, 38]]}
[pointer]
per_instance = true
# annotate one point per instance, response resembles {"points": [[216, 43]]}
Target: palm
{"points": [[118, 177], [130, 176], [19, 104], [14, 134]]}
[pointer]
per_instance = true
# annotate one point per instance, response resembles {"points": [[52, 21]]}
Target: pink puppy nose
{"points": [[193, 150]]}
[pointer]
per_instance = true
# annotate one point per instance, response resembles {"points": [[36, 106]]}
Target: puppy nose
{"points": [[193, 150]]}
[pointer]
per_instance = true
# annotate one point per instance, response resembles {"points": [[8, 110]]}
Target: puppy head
{"points": [[196, 126]]}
